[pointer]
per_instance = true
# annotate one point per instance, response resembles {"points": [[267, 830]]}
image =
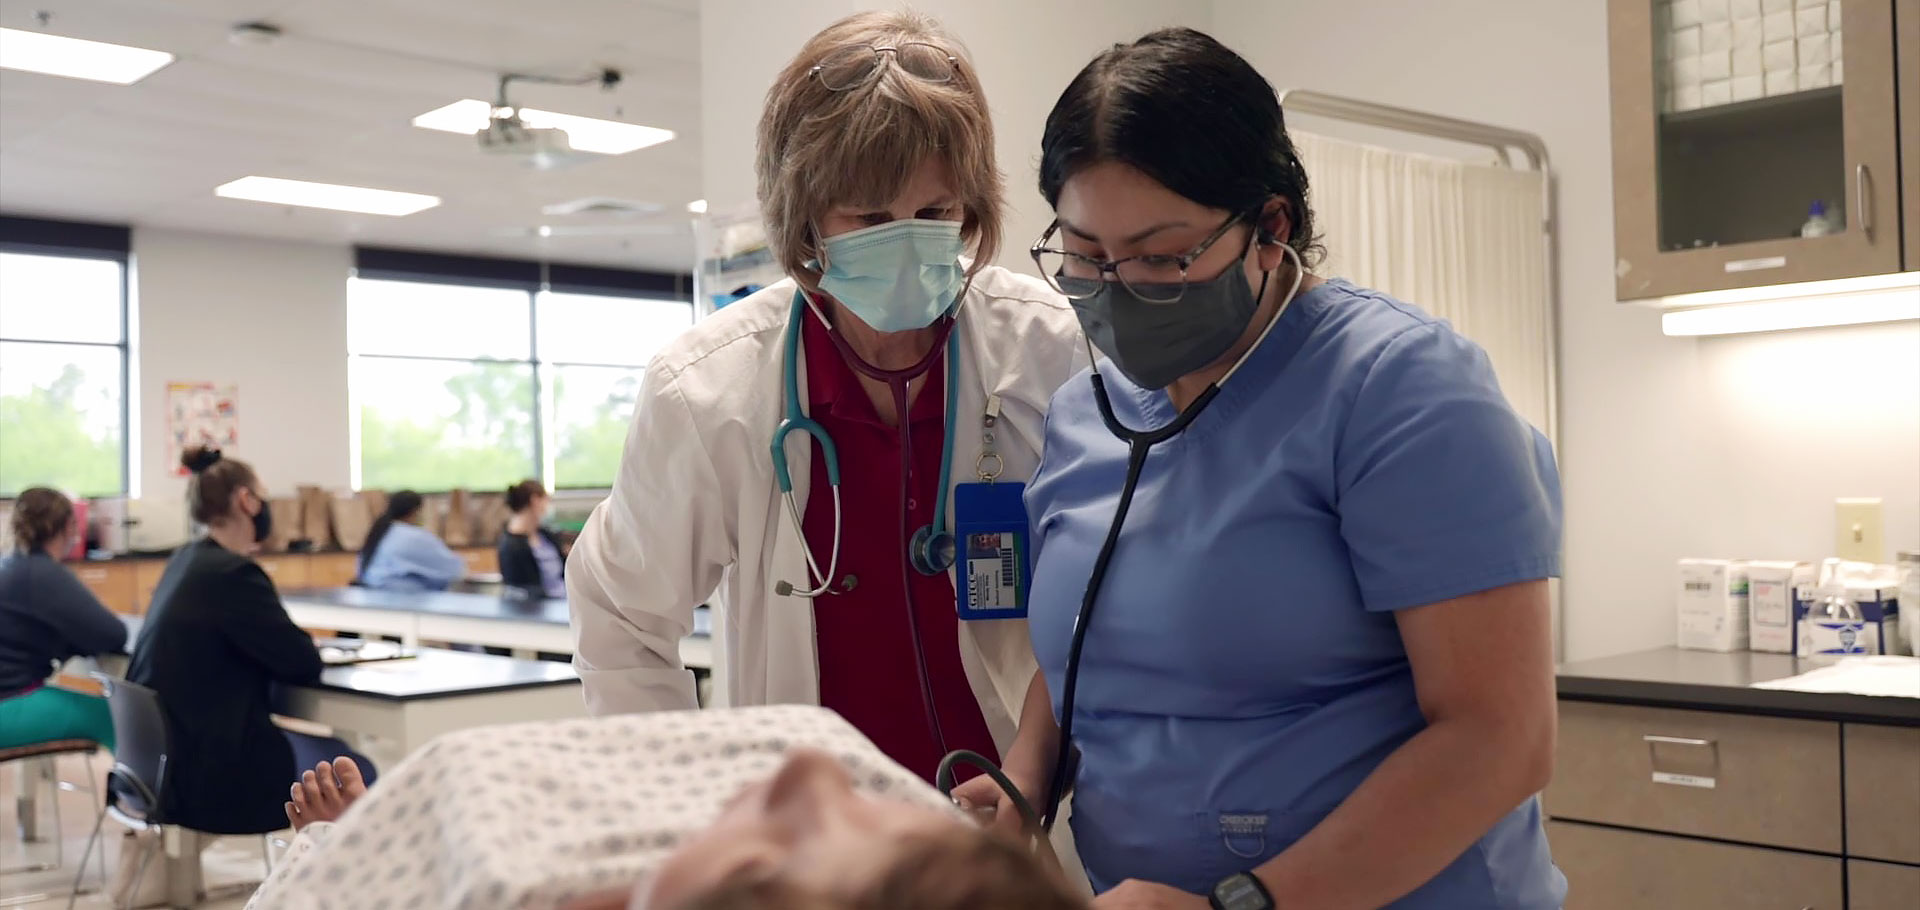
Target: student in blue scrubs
{"points": [[400, 555], [1318, 670]]}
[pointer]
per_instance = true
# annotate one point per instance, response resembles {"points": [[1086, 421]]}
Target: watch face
{"points": [[1240, 892]]}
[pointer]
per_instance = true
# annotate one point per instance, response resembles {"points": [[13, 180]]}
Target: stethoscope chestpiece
{"points": [[932, 552]]}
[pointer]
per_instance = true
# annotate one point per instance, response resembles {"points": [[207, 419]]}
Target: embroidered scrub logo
{"points": [[1244, 834]]}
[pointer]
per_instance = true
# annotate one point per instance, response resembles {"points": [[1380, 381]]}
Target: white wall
{"points": [[270, 316], [1669, 447], [1025, 52]]}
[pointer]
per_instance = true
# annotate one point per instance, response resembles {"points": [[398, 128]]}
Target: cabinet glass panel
{"points": [[1751, 140]]}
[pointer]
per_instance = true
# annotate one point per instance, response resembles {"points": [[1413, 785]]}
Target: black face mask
{"points": [[262, 520]]}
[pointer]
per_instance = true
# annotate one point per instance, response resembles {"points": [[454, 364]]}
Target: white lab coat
{"points": [[695, 516]]}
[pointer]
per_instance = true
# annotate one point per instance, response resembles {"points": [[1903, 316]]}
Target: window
{"points": [[63, 374], [478, 387]]}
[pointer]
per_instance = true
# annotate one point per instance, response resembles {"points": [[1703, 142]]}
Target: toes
{"points": [[352, 782]]}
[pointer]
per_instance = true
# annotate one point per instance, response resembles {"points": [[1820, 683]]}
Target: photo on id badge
{"points": [[994, 561]]}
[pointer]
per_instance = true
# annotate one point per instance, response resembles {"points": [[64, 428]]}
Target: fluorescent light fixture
{"points": [[1842, 301], [697, 207], [74, 58], [545, 230], [326, 196], [605, 137]]}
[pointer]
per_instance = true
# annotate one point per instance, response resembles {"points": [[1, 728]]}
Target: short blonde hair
{"points": [[820, 148]]}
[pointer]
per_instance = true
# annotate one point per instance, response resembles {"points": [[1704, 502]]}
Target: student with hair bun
{"points": [[47, 616], [215, 641], [530, 558]]}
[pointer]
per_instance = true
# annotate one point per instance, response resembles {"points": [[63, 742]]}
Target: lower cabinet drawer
{"points": [[1882, 886], [1883, 794], [1758, 780], [1612, 869]]}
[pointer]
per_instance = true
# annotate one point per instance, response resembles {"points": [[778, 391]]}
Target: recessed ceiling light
{"points": [[326, 196], [697, 206], [605, 137], [39, 52], [545, 230]]}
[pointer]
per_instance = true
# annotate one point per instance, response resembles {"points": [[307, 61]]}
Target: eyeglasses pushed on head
{"points": [[855, 65]]}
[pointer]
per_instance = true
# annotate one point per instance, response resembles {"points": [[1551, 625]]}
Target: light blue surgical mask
{"points": [[898, 276]]}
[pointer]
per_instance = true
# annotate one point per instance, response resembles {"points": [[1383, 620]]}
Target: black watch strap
{"points": [[1240, 891]]}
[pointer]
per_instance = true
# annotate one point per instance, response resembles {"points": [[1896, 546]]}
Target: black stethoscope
{"points": [[1139, 443]]}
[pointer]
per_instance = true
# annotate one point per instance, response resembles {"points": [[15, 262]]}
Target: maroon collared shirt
{"points": [[863, 637]]}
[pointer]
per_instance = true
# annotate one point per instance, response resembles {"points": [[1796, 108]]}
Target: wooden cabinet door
{"points": [[146, 578], [1710, 198], [288, 572], [1612, 869], [332, 570], [481, 560], [1883, 793], [1882, 886], [1906, 22]]}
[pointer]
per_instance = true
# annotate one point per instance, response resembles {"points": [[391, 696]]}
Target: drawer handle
{"points": [[1862, 199], [1676, 740]]}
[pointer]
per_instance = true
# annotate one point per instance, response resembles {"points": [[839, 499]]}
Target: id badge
{"points": [[990, 526]]}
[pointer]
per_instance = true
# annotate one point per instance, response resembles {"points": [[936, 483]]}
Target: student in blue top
{"points": [[1314, 668], [399, 555]]}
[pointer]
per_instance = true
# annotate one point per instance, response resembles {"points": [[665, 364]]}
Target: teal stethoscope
{"points": [[931, 550]]}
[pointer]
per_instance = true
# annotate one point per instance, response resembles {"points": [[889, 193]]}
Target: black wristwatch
{"points": [[1240, 891]]}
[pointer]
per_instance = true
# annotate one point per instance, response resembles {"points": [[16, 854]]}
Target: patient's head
{"points": [[806, 840]]}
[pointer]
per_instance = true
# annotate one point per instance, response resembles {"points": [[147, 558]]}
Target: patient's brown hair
{"points": [[958, 870]]}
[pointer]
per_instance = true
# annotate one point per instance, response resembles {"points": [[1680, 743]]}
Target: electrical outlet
{"points": [[1857, 530]]}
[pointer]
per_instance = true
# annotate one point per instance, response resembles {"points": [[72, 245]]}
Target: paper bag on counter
{"points": [[350, 521], [316, 521], [490, 518], [286, 525], [458, 528], [376, 501]]}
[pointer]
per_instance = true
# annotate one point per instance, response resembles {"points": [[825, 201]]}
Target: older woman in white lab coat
{"points": [[876, 175]]}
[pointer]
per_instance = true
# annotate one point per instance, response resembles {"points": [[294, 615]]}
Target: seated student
{"points": [[47, 616], [399, 555], [748, 809], [215, 639], [530, 558]]}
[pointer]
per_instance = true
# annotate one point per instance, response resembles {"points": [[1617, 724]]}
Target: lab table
{"points": [[522, 624], [1677, 783]]}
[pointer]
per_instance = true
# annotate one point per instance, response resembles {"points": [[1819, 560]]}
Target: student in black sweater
{"points": [[215, 640], [531, 560], [47, 616]]}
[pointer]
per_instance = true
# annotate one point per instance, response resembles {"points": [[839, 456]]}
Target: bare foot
{"points": [[323, 794]]}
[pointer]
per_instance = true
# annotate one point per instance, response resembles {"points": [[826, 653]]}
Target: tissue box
{"points": [[1747, 88], [1782, 82], [1770, 603], [1777, 27], [1811, 21], [1713, 605], [1833, 15], [1748, 62], [1716, 93], [1819, 75], [1824, 638], [1684, 42], [1814, 50], [1717, 65], [1716, 37], [1685, 72], [1685, 13]]}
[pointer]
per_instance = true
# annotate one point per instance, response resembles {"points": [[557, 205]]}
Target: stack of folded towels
{"points": [[1714, 52]]}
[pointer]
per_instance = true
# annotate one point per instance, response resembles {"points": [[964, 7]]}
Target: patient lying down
{"points": [[781, 807]]}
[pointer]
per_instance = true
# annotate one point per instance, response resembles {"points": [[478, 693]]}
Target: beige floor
{"points": [[228, 862]]}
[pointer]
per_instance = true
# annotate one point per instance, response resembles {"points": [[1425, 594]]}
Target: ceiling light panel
{"points": [[74, 58], [586, 134], [333, 196]]}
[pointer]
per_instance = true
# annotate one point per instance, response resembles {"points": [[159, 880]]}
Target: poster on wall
{"points": [[202, 413]]}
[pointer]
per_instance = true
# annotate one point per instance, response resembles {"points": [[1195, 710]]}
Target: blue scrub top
{"points": [[411, 558], [1242, 672]]}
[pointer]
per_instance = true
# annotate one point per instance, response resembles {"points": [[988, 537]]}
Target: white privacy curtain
{"points": [[1463, 241]]}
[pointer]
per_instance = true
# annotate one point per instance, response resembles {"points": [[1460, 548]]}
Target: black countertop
{"points": [[1710, 681], [512, 607]]}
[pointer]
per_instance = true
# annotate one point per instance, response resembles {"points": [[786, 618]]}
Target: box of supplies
{"points": [[1770, 617], [1821, 636], [1713, 605]]}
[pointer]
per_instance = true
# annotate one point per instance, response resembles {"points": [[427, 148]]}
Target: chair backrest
{"points": [[140, 747]]}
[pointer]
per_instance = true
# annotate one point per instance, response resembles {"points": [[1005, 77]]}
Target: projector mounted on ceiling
{"points": [[543, 148]]}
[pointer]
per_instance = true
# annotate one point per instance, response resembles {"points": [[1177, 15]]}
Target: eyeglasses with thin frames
{"points": [[856, 65], [1153, 277]]}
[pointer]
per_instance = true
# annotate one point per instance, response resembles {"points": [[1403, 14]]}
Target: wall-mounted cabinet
{"points": [[1755, 142]]}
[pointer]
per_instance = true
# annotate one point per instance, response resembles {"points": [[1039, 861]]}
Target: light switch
{"points": [[1858, 529]]}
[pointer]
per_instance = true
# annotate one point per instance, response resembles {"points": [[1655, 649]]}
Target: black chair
{"points": [[139, 775]]}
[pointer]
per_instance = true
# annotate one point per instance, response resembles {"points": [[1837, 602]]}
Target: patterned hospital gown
{"points": [[533, 815]]}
